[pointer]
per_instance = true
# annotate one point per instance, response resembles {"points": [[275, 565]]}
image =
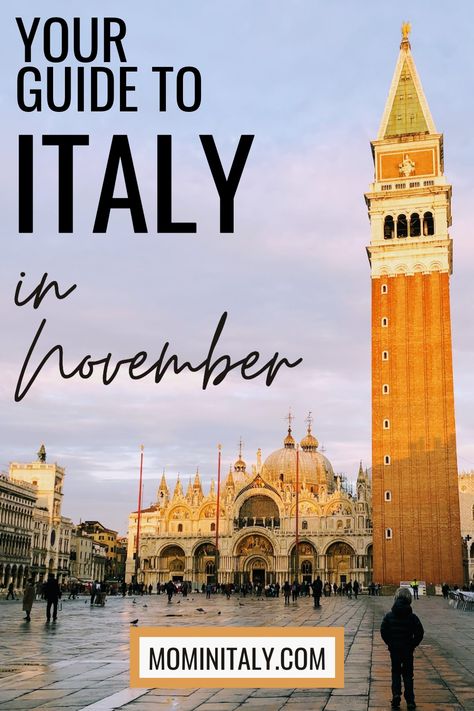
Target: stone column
{"points": [[188, 568]]}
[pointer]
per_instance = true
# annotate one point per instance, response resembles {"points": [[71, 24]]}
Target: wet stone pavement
{"points": [[81, 661]]}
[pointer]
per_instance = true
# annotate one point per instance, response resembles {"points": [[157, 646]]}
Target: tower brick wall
{"points": [[416, 494]]}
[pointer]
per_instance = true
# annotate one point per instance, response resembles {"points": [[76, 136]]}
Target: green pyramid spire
{"points": [[406, 115], [406, 111]]}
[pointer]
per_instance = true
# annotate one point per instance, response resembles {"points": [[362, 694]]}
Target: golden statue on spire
{"points": [[406, 29]]}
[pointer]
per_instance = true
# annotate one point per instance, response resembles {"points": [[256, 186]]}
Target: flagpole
{"points": [[219, 447], [297, 557], [140, 495]]}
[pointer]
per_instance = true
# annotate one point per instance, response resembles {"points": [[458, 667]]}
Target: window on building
{"points": [[180, 527], [386, 424], [428, 224], [385, 389], [384, 355], [384, 289], [388, 227], [213, 526], [384, 322], [402, 226], [415, 225], [386, 459], [388, 534], [388, 495], [304, 525]]}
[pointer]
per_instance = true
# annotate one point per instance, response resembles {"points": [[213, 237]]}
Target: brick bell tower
{"points": [[416, 516]]}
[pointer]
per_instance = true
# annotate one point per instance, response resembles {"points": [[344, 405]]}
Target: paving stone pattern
{"points": [[81, 661]]}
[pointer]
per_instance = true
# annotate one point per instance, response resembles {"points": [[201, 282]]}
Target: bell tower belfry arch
{"points": [[415, 487]]}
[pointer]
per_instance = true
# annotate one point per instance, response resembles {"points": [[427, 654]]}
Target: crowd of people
{"points": [[52, 592]]}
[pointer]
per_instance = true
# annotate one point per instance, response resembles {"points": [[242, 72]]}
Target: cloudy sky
{"points": [[309, 79]]}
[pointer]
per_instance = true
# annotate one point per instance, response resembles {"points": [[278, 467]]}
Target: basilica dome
{"points": [[315, 469]]}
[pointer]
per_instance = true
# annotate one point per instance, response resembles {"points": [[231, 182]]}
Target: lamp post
{"points": [[218, 506], [297, 552], [140, 491]]}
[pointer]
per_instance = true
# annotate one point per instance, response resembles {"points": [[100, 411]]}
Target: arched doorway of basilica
{"points": [[204, 564], [255, 560], [338, 561], [256, 569], [307, 562], [172, 563]]}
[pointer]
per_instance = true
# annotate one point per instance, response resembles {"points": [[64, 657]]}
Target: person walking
{"points": [[445, 590], [294, 591], [170, 589], [349, 589], [277, 589], [414, 587], [287, 592], [317, 588], [52, 594], [208, 591], [402, 632], [11, 591], [95, 589], [356, 588], [29, 596]]}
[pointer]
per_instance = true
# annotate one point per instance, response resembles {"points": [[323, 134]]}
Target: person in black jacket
{"points": [[170, 590], [52, 593], [317, 588], [402, 631]]}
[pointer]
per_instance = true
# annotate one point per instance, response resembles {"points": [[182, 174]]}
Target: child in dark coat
{"points": [[402, 631]]}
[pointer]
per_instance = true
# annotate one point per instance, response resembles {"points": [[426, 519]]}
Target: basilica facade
{"points": [[257, 535]]}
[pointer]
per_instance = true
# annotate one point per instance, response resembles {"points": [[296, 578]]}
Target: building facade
{"points": [[17, 504], [414, 466], [257, 524], [89, 558], [108, 539], [51, 531], [81, 564], [99, 561], [121, 551], [466, 500]]}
